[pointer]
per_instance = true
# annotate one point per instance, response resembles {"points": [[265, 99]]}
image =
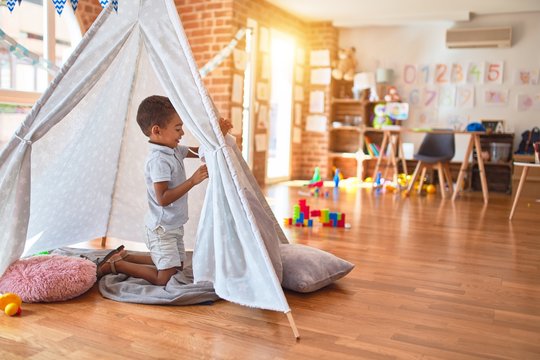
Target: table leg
{"points": [[464, 167], [518, 191], [393, 160], [381, 154], [481, 167], [403, 161]]}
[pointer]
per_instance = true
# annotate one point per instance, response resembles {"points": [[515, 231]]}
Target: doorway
{"points": [[279, 135]]}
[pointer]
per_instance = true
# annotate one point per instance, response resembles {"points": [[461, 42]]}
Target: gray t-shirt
{"points": [[165, 164]]}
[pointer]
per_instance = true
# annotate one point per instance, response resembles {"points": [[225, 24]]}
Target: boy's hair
{"points": [[154, 110]]}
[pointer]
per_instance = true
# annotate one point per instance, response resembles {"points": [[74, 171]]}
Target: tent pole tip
{"points": [[293, 325]]}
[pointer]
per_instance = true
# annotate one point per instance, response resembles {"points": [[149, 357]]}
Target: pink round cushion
{"points": [[48, 278]]}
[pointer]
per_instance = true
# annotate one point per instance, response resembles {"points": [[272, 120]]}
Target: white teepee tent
{"points": [[73, 170]]}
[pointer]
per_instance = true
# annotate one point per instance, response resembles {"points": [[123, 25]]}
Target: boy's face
{"points": [[171, 134]]}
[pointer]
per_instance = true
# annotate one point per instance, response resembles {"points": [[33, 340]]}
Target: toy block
{"points": [[327, 224], [333, 216], [325, 215], [310, 223], [341, 223], [302, 202], [315, 213]]}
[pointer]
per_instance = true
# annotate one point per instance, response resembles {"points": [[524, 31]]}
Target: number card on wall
{"points": [[494, 72], [447, 96], [465, 96], [442, 74], [457, 75], [413, 98], [475, 73], [424, 74], [430, 97]]}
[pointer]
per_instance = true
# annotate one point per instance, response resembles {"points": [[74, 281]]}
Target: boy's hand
{"points": [[225, 125], [199, 175]]}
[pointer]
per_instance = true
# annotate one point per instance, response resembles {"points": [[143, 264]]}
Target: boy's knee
{"points": [[164, 276]]}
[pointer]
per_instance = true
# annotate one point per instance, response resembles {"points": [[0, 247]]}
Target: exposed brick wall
{"points": [[322, 36], [211, 24], [208, 26], [87, 12]]}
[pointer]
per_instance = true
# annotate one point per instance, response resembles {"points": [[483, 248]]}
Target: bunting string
{"points": [[21, 52], [223, 54], [60, 4]]}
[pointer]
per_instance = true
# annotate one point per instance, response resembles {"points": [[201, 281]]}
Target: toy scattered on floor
{"points": [[303, 217], [11, 303], [316, 180], [337, 177], [42, 253]]}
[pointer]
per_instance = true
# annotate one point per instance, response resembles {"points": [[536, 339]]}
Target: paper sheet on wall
{"points": [[297, 135], [319, 58], [298, 93], [299, 74], [262, 91], [264, 40], [237, 90], [526, 77], [495, 97], [239, 59], [300, 56], [265, 67], [321, 76], [526, 102], [316, 123], [262, 117], [260, 142], [316, 102], [236, 119], [297, 114]]}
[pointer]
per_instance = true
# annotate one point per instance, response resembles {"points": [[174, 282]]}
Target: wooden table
{"points": [[526, 167], [391, 138]]}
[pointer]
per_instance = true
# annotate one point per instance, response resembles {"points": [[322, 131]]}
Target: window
{"points": [[23, 79]]}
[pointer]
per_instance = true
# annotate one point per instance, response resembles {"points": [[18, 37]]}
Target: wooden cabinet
{"points": [[497, 150]]}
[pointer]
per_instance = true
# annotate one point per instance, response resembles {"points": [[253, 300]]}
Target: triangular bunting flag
{"points": [[104, 3], [115, 5], [11, 4], [59, 5], [74, 4]]}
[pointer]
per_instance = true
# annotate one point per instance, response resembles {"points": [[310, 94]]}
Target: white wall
{"points": [[393, 47]]}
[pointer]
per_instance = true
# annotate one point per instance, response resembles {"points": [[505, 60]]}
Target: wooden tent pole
{"points": [[293, 325], [103, 241]]}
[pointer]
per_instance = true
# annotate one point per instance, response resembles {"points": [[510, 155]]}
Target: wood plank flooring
{"points": [[434, 279]]}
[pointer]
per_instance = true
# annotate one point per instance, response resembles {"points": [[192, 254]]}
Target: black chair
{"points": [[436, 150]]}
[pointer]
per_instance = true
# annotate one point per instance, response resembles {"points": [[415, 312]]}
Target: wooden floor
{"points": [[433, 280]]}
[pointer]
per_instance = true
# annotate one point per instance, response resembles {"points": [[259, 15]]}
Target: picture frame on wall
{"points": [[493, 126]]}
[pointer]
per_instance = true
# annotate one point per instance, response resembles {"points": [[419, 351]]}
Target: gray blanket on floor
{"points": [[180, 290]]}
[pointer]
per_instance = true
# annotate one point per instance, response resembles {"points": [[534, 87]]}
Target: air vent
{"points": [[479, 37]]}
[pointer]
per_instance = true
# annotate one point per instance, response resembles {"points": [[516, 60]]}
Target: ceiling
{"points": [[356, 13]]}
